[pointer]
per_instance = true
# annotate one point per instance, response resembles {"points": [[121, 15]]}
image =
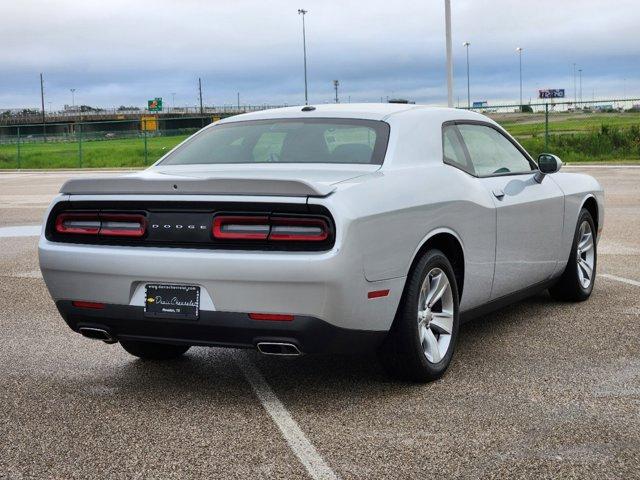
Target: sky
{"points": [[123, 52]]}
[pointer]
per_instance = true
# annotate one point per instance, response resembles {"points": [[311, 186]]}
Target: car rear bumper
{"points": [[329, 286], [220, 329]]}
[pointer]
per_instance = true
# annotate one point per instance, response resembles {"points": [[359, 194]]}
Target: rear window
{"points": [[316, 140]]}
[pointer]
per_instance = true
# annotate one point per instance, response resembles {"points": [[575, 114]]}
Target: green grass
{"points": [[128, 152], [533, 124]]}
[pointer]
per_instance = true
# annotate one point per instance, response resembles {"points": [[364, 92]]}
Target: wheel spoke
{"points": [[422, 333], [432, 346], [586, 242], [586, 269], [443, 321], [437, 289]]}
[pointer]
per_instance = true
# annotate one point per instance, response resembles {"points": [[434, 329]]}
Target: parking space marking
{"points": [[628, 281], [302, 448], [22, 231]]}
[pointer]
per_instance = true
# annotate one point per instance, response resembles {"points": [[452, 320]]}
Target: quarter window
{"points": [[454, 150], [491, 153]]}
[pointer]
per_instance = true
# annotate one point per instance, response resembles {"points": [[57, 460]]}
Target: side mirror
{"points": [[547, 163]]}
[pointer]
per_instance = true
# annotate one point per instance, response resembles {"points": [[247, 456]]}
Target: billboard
{"points": [[551, 93], [154, 105]]}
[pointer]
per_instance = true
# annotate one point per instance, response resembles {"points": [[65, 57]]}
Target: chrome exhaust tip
{"points": [[279, 349], [97, 334]]}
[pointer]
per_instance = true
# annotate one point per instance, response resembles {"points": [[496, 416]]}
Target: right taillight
{"points": [[270, 228], [299, 229]]}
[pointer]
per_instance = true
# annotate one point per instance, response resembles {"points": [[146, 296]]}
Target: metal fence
{"points": [[118, 143], [595, 130], [576, 131]]}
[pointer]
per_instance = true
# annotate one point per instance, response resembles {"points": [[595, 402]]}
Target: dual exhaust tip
{"points": [[282, 349]]}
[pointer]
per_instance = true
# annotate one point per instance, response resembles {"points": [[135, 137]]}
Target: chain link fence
{"points": [[602, 130], [105, 144]]}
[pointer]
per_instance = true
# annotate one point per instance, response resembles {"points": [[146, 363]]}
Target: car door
{"points": [[529, 214]]}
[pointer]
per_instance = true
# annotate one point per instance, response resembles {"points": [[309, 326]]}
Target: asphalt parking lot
{"points": [[541, 389]]}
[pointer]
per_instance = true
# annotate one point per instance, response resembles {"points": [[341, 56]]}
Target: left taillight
{"points": [[270, 228], [101, 224]]}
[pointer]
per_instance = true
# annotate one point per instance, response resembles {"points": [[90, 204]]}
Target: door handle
{"points": [[498, 193]]}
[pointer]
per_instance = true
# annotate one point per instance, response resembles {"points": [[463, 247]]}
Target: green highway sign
{"points": [[154, 105]]}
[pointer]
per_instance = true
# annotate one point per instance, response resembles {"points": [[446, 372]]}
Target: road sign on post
{"points": [[155, 105]]}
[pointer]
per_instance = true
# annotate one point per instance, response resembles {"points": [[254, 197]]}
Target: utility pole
{"points": [[44, 121], [466, 45], [173, 100], [447, 20], [335, 86], [303, 12], [519, 50], [238, 101], [200, 95]]}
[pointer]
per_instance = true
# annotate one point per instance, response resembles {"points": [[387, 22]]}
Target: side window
{"points": [[490, 151], [453, 150]]}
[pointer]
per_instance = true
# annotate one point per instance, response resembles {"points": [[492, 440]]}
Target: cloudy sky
{"points": [[125, 51]]}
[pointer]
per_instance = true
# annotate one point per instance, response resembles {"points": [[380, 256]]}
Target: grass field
{"points": [[575, 137], [128, 152]]}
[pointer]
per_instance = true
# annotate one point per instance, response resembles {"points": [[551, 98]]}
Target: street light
{"points": [[73, 98], [303, 12], [519, 50], [466, 45], [173, 100], [580, 96], [335, 86]]}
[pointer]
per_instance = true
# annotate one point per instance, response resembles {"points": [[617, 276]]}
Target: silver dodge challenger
{"points": [[330, 228]]}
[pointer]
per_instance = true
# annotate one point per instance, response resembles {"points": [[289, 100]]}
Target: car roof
{"points": [[368, 111]]}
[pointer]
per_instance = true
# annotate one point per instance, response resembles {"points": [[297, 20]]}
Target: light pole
{"points": [[466, 45], [447, 21], [303, 12], [335, 86], [580, 77], [575, 88], [73, 97], [519, 50], [173, 100]]}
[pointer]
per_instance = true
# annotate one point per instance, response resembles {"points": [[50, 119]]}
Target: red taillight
{"points": [[122, 225], [228, 227], [103, 224], [274, 317], [78, 223], [299, 229], [90, 305], [293, 229]]}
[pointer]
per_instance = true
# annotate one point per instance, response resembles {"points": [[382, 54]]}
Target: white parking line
{"points": [[294, 436], [620, 279], [23, 231]]}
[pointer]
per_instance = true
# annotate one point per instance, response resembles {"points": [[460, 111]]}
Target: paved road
{"points": [[541, 389]]}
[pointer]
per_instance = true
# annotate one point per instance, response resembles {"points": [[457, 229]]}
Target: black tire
{"points": [[153, 351], [402, 353], [569, 287]]}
